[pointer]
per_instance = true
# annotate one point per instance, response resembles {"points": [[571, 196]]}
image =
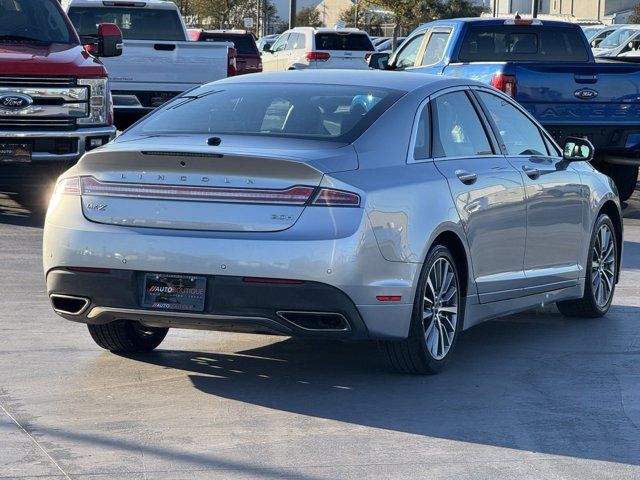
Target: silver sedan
{"points": [[370, 205]]}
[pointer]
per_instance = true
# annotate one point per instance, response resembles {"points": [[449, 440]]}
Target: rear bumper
{"points": [[618, 144], [231, 305], [77, 139], [343, 272]]}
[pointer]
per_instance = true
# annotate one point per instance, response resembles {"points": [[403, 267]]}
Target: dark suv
{"points": [[248, 58]]}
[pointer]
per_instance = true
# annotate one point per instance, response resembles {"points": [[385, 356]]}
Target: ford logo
{"points": [[15, 101], [585, 94]]}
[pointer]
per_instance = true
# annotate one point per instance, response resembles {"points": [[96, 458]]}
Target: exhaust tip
{"points": [[68, 304], [316, 321]]}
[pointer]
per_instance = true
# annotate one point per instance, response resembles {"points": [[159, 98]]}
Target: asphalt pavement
{"points": [[531, 396]]}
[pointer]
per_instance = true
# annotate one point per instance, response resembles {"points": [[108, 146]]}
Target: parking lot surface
{"points": [[534, 395]]}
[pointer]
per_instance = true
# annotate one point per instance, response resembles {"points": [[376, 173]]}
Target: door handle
{"points": [[466, 177], [531, 172]]}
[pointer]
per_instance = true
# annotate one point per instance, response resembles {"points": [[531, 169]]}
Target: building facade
{"points": [[605, 11]]}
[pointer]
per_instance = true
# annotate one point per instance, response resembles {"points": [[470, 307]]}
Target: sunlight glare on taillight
{"points": [[68, 186]]}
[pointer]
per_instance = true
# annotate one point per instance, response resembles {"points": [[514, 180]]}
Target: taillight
{"points": [[68, 186], [297, 195], [505, 83], [232, 68], [328, 197], [318, 56]]}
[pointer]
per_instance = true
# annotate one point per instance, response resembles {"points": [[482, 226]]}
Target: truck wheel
{"points": [[600, 284], [127, 336], [436, 320], [625, 177]]}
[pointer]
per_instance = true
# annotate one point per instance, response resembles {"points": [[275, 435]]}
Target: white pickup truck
{"points": [[158, 62]]}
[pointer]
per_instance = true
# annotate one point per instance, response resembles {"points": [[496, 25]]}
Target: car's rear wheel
{"points": [[127, 336], [600, 283], [436, 321], [625, 177]]}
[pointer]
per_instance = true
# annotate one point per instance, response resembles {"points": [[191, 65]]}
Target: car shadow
{"points": [[534, 382]]}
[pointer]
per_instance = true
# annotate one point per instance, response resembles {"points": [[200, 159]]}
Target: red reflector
{"points": [[505, 83], [389, 298], [336, 198], [292, 196], [272, 280], [319, 56], [89, 269]]}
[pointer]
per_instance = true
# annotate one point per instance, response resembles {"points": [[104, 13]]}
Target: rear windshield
{"points": [[344, 41], [319, 112], [33, 21], [244, 44], [136, 23], [502, 43]]}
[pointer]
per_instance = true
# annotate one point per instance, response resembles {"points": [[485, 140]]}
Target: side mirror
{"points": [[266, 47], [109, 40], [578, 150], [594, 44], [379, 61]]}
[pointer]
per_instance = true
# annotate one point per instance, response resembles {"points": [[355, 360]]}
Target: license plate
{"points": [[15, 153], [174, 292]]}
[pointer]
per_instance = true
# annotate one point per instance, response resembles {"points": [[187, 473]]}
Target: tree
{"points": [[369, 17], [308, 17], [411, 13], [635, 16]]}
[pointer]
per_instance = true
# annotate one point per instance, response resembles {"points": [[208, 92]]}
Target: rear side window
{"points": [[458, 131], [519, 134], [358, 42], [434, 51], [136, 23], [320, 112], [244, 44], [523, 43], [296, 41]]}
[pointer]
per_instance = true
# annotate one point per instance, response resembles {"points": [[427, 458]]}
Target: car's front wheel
{"points": [[127, 336], [436, 321], [600, 284]]}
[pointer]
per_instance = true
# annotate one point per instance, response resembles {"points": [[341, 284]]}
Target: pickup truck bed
{"points": [[159, 61], [549, 68]]}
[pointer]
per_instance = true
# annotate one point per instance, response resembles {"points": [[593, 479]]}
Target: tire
{"points": [[127, 336], [418, 354], [598, 290], [625, 177]]}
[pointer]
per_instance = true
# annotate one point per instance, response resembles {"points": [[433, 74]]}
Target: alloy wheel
{"points": [[440, 308], [603, 266]]}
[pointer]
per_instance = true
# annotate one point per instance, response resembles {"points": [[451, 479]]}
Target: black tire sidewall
{"points": [[603, 219]]}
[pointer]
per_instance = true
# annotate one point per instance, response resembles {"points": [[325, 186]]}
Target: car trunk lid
{"points": [[233, 189]]}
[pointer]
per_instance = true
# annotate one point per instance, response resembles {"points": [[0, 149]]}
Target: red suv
{"points": [[248, 58]]}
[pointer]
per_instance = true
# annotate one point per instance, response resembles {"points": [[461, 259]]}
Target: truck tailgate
{"points": [[167, 66], [574, 94]]}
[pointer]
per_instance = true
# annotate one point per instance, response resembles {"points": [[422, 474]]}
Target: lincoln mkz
{"points": [[398, 207]]}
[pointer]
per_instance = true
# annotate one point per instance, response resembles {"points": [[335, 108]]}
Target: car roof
{"points": [[153, 4], [405, 81], [492, 21]]}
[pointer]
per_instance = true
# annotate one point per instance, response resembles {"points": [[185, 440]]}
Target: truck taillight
{"points": [[318, 56], [232, 66], [505, 83]]}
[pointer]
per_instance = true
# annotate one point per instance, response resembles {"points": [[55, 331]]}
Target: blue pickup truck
{"points": [[548, 67]]}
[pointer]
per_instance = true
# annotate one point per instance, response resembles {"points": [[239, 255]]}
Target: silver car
{"points": [[371, 205]]}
